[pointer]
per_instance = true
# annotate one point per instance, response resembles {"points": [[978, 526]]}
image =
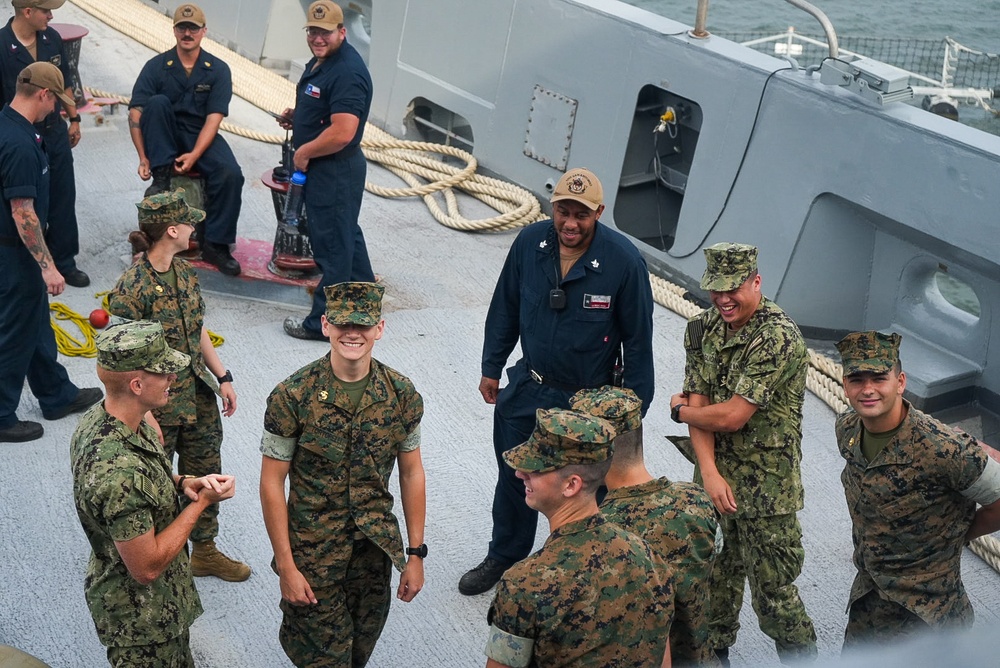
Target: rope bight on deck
{"points": [[409, 160]]}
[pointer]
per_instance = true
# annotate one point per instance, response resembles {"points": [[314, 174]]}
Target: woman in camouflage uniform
{"points": [[162, 287]]}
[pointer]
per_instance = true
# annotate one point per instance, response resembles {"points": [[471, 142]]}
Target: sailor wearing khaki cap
{"points": [[944, 488], [332, 101], [26, 39], [139, 587], [744, 384], [594, 594], [27, 343], [575, 293], [178, 103]]}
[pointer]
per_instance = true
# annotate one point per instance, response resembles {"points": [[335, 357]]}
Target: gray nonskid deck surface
{"points": [[438, 286]]}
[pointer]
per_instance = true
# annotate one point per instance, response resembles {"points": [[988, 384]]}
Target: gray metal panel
{"points": [[550, 127], [434, 42]]}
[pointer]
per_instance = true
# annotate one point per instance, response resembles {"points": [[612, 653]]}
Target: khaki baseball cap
{"points": [[168, 207], [728, 266], [872, 352], [138, 345], [324, 14], [37, 4], [45, 75], [188, 13], [563, 437], [354, 303], [618, 405], [579, 185]]}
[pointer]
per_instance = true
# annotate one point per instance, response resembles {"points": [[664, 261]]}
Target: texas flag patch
{"points": [[312, 91], [597, 301]]}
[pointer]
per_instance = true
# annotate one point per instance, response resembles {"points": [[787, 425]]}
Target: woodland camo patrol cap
{"points": [[324, 14], [561, 438], [618, 405], [43, 74], [188, 13], [138, 345], [728, 266], [873, 352], [169, 208], [579, 185], [354, 303]]}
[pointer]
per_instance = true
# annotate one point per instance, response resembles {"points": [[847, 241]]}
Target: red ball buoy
{"points": [[99, 318]]}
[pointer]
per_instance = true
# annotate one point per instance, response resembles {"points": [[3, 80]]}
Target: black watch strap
{"points": [[675, 413], [228, 378], [74, 119], [417, 551]]}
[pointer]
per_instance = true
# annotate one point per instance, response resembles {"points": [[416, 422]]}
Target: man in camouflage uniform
{"points": [[138, 585], [744, 383], [594, 595], [676, 519], [335, 428], [912, 485]]}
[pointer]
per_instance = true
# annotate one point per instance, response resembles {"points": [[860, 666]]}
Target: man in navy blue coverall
{"points": [[178, 103], [25, 39], [332, 101], [29, 275], [577, 295]]}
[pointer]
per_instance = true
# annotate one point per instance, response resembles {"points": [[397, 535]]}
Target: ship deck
{"points": [[438, 284]]}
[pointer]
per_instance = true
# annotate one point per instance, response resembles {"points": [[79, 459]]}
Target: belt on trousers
{"points": [[565, 387]]}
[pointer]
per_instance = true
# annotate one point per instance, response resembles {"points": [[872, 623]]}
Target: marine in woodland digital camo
{"points": [[912, 486], [744, 384], [335, 429], [676, 519], [594, 594]]}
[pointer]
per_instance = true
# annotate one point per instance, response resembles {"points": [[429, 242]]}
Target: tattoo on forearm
{"points": [[30, 229], [133, 124]]}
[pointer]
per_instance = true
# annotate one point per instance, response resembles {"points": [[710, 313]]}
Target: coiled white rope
{"points": [[407, 160]]}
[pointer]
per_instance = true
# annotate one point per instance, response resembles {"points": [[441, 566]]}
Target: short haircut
{"points": [[592, 475], [628, 448]]}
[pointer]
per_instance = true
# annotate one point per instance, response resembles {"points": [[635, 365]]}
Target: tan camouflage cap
{"points": [[168, 207], [324, 14], [728, 266], [45, 75], [579, 185], [873, 352], [354, 304], [188, 13], [138, 345], [561, 438], [618, 405], [37, 4]]}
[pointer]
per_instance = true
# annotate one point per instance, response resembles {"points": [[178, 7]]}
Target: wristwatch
{"points": [[675, 413], [417, 551], [74, 119], [228, 378]]}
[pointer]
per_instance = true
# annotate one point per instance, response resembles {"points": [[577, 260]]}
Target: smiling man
{"points": [[576, 294], [744, 383], [912, 486], [335, 429], [178, 103]]}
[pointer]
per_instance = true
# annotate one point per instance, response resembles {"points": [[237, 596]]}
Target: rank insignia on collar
{"points": [[170, 63], [159, 288], [323, 395], [595, 264], [208, 64], [543, 244]]}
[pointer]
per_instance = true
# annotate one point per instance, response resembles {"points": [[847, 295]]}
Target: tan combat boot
{"points": [[207, 560]]}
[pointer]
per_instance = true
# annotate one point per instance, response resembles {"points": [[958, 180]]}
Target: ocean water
{"points": [[974, 23]]}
